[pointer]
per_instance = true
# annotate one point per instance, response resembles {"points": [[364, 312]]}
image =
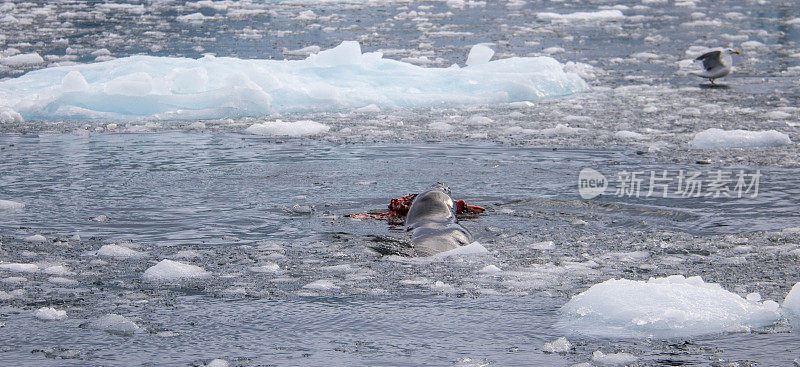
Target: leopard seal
{"points": [[433, 224]]}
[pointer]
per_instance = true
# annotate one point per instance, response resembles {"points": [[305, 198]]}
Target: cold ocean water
{"points": [[254, 193]]}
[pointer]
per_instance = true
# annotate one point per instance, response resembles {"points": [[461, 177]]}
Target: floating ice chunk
{"points": [[616, 359], [341, 78], [442, 287], [22, 60], [266, 268], [4, 296], [490, 269], [14, 280], [169, 271], [305, 51], [50, 314], [115, 324], [602, 15], [560, 345], [545, 245], [8, 204], [57, 270], [63, 281], [293, 129], [118, 252], [371, 108], [37, 238], [791, 305], [474, 248], [479, 54], [218, 363], [192, 18], [718, 138], [629, 135], [321, 285], [668, 307], [777, 115], [20, 268]]}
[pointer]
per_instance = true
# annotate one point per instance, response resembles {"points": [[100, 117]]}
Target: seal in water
{"points": [[433, 224]]}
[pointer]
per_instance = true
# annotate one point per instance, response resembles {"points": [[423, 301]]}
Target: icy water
{"points": [[293, 281]]}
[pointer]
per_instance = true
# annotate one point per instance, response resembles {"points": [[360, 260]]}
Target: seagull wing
{"points": [[710, 59]]}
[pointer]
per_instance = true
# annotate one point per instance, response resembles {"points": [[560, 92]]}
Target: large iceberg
{"points": [[674, 306], [339, 79]]}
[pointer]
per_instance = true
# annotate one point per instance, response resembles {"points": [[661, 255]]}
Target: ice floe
{"points": [[169, 271], [674, 306], [615, 359], [341, 78], [718, 138], [602, 15]]}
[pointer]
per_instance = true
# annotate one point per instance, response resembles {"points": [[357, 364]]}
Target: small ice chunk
{"points": [[777, 115], [57, 270], [321, 285], [50, 314], [602, 15], [37, 238], [490, 269], [545, 245], [63, 281], [115, 324], [616, 359], [192, 18], [9, 116], [8, 204], [218, 363], [169, 271], [20, 268], [560, 345], [479, 54], [291, 129], [718, 138], [118, 252], [474, 248], [22, 60], [266, 268]]}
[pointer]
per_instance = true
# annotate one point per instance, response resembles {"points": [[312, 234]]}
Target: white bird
{"points": [[716, 64]]}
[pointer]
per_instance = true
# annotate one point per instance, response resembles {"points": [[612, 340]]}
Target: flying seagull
{"points": [[716, 64]]}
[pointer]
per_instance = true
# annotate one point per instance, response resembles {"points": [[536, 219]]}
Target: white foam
{"points": [[718, 138], [342, 78], [169, 271], [115, 324], [674, 306], [293, 129], [118, 252], [50, 314], [8, 204]]}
